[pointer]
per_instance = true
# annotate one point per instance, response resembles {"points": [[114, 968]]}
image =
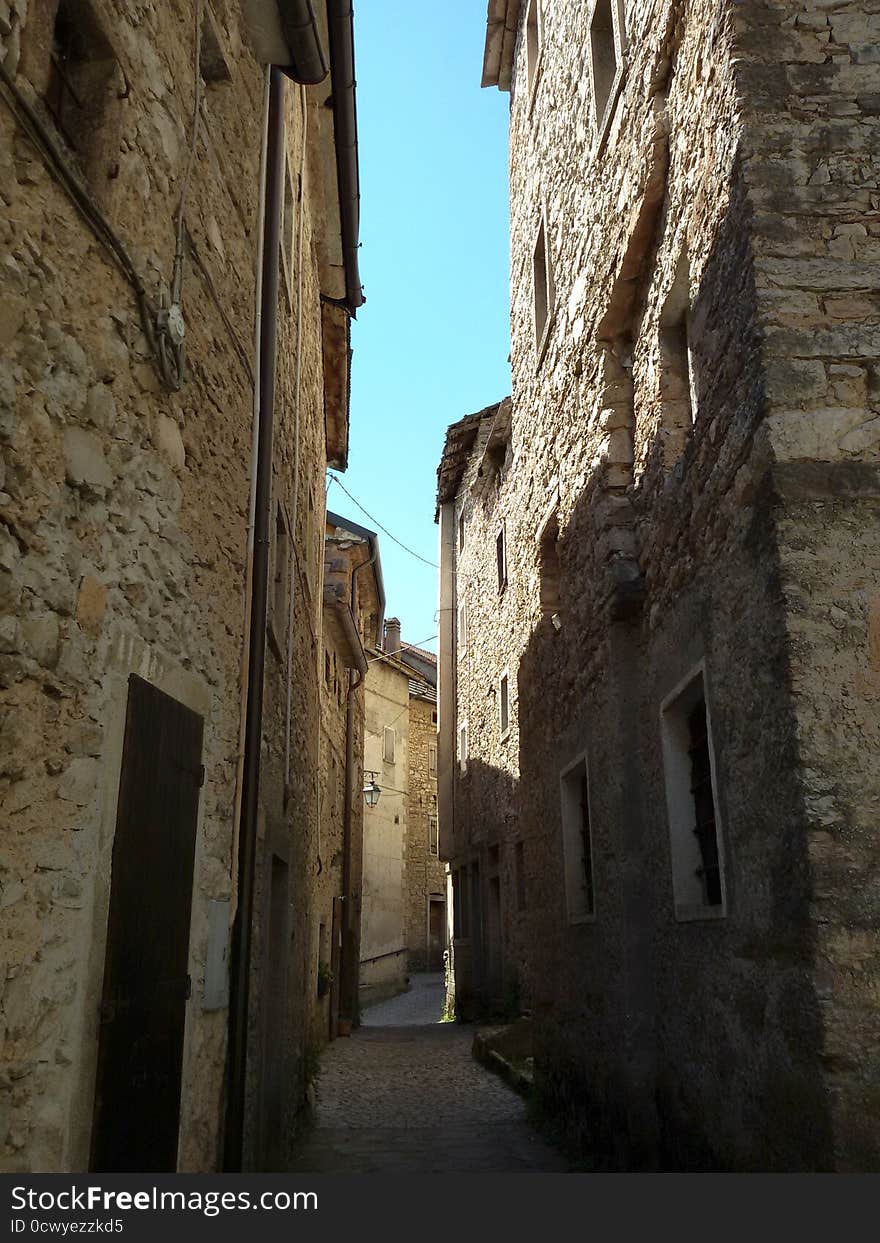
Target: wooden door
{"points": [[146, 986], [436, 933]]}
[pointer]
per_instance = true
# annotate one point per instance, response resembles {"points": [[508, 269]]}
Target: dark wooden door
{"points": [[146, 986], [436, 933]]}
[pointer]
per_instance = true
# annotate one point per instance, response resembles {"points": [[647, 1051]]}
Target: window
{"points": [[501, 555], [433, 718], [542, 290], [388, 745], [548, 565], [677, 403], [280, 571], [577, 842], [519, 862], [461, 531], [433, 836], [463, 747], [327, 677], [534, 32], [692, 801], [432, 760], [504, 705], [83, 82], [607, 45], [286, 241]]}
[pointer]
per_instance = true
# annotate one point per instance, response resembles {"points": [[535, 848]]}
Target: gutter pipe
{"points": [[242, 929], [340, 17]]}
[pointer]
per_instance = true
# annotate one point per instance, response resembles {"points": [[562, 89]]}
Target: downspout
{"points": [[240, 957], [340, 17], [350, 968]]}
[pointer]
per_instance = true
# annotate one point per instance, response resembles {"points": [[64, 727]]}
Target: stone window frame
{"points": [[533, 38], [432, 759], [434, 835], [542, 270], [602, 124], [548, 562], [388, 753], [684, 854], [574, 856], [504, 705]]}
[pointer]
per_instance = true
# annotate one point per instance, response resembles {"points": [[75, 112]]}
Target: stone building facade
{"points": [[403, 921], [130, 175], [425, 871], [354, 602], [670, 549]]}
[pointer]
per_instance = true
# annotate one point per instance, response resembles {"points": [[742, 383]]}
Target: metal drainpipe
{"points": [[348, 970], [240, 957]]}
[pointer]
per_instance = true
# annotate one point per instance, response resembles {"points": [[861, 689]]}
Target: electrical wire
{"points": [[58, 167], [410, 647], [412, 553]]}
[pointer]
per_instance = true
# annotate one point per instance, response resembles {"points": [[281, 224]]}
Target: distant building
{"points": [[403, 899], [353, 608]]}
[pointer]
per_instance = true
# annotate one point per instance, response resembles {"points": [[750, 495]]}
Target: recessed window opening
{"points": [[577, 843], [461, 531], [542, 286], [389, 738], [463, 747], [603, 57], [692, 804], [287, 225], [462, 627], [533, 41], [279, 586], [549, 574], [676, 362], [433, 835], [432, 758], [501, 558], [504, 705], [80, 84]]}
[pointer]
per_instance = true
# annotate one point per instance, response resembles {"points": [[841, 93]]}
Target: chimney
{"points": [[392, 636]]}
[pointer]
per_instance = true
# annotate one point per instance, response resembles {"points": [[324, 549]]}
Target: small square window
{"points": [[433, 835], [388, 745], [692, 801], [504, 705], [501, 556], [577, 842]]}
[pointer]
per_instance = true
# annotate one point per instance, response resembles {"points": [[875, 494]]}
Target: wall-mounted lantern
{"points": [[371, 790]]}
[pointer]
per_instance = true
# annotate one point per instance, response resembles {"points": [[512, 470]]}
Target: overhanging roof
{"points": [[502, 23]]}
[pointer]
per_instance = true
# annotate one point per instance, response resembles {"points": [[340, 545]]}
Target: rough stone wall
{"points": [[124, 512], [383, 890], [425, 873], [726, 185]]}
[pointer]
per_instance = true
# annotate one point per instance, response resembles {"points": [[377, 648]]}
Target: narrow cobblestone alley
{"points": [[405, 1096]]}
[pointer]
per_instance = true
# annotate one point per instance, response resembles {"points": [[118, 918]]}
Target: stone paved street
{"points": [[404, 1095]]}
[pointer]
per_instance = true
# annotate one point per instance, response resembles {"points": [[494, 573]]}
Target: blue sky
{"points": [[432, 341]]}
